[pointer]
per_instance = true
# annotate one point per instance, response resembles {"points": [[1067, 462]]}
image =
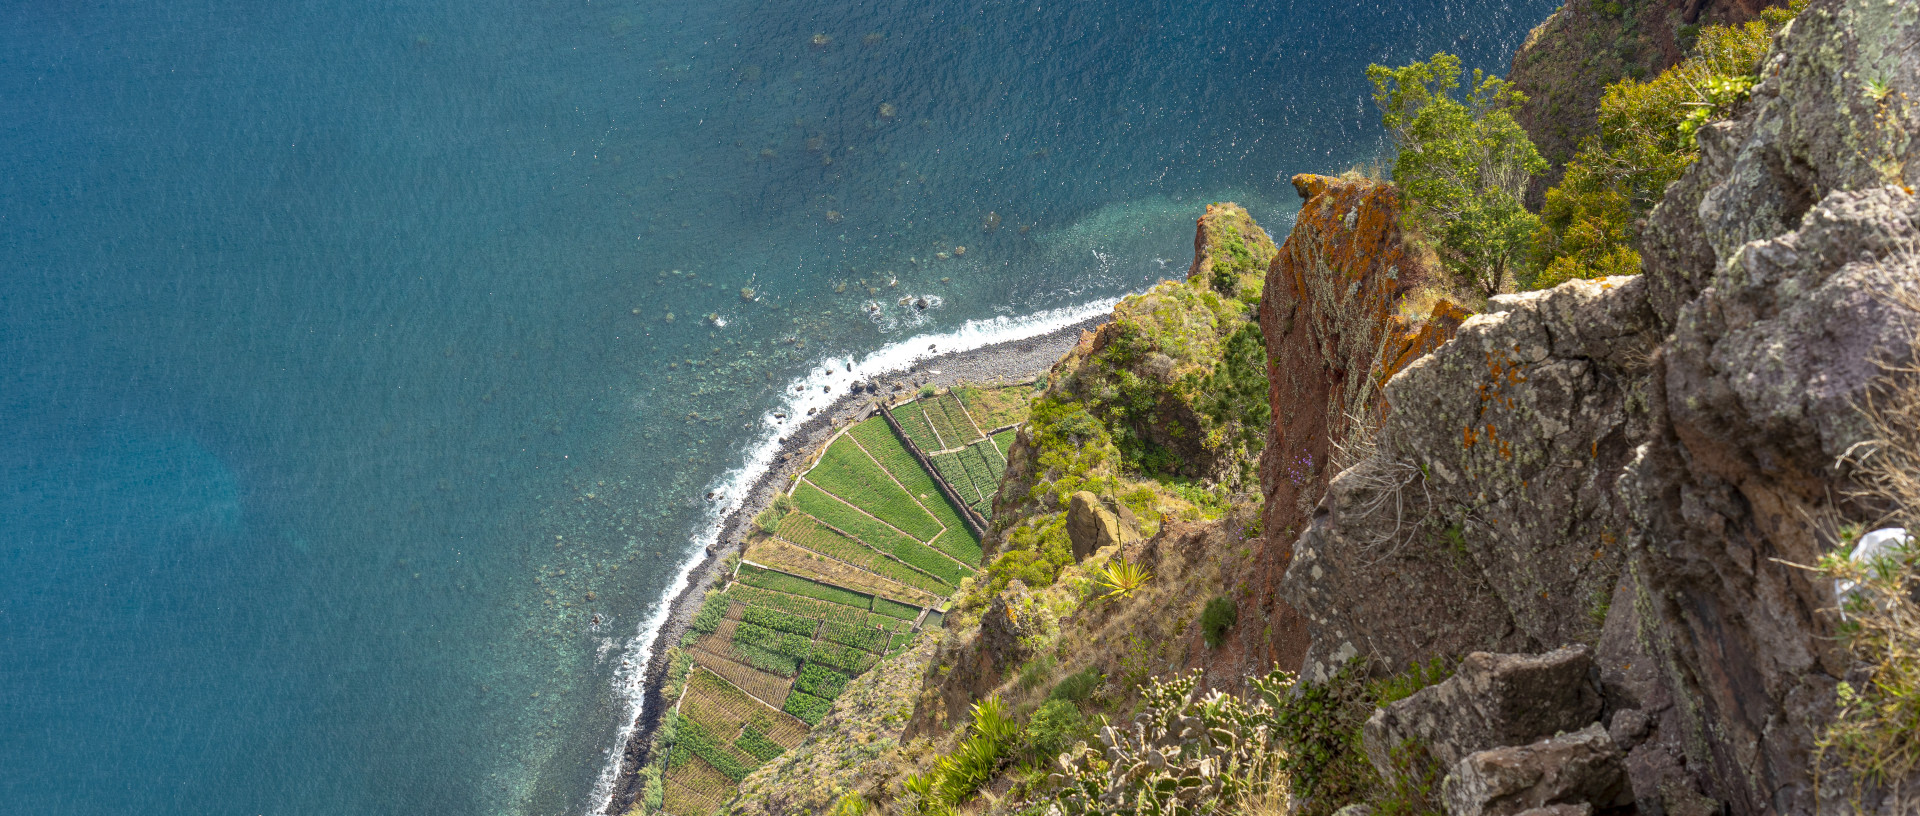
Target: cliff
{"points": [[1639, 464]]}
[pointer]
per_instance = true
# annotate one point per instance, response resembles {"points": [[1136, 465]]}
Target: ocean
{"points": [[368, 367]]}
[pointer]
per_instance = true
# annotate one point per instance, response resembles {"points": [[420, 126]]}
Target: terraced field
{"points": [[860, 564]]}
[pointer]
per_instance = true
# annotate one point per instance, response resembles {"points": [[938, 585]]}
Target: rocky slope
{"points": [[1635, 464]]}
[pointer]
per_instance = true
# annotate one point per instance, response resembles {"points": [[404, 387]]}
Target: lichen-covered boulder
{"points": [[1492, 700]]}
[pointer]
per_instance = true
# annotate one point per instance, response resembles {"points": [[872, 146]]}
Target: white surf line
{"points": [[817, 391]]}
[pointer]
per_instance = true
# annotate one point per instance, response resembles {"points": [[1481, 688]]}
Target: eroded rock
{"points": [[1567, 771], [1492, 700], [1091, 526]]}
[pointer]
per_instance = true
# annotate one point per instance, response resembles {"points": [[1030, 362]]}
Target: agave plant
{"points": [[1122, 578], [956, 776]]}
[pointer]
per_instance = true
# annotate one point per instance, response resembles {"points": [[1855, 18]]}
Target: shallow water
{"points": [[338, 365]]}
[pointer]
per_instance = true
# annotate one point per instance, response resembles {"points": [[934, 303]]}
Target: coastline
{"points": [[1006, 362]]}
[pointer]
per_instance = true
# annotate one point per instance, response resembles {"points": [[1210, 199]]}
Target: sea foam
{"points": [[827, 382]]}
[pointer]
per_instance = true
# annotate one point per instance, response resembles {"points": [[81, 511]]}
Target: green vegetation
{"points": [[878, 439], [1219, 616], [765, 659], [807, 607], [779, 621], [757, 745], [821, 682], [1119, 579], [1645, 141], [712, 610], [1225, 765], [694, 738], [913, 419], [1235, 394], [848, 473], [785, 643], [1055, 727], [991, 738], [859, 637], [897, 610], [844, 517], [1464, 166], [1079, 686], [795, 585], [806, 531], [959, 543], [834, 655], [1318, 726], [1003, 441], [808, 708]]}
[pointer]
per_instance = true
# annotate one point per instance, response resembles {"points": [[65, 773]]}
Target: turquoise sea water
{"points": [[339, 390]]}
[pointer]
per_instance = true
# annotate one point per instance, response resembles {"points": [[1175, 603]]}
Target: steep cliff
{"points": [[1637, 464]]}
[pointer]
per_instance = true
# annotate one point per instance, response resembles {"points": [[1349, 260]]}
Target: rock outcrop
{"points": [[1637, 463], [1577, 770], [1342, 311], [1492, 701], [1091, 526]]}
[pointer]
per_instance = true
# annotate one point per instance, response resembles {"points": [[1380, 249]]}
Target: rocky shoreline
{"points": [[1008, 362]]}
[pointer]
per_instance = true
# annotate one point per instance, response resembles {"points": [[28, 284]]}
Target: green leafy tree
{"points": [[1464, 166]]}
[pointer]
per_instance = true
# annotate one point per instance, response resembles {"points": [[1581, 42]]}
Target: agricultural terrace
{"points": [[859, 557]]}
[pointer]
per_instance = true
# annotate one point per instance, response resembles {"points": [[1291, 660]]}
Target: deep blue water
{"points": [[337, 365]]}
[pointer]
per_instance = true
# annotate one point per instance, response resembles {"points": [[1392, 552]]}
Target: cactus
{"points": [[1185, 754]]}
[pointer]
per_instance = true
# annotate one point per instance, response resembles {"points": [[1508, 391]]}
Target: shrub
{"points": [[954, 778], [1079, 686], [1120, 579], [1219, 616], [1228, 760], [1054, 728], [1464, 167], [712, 610]]}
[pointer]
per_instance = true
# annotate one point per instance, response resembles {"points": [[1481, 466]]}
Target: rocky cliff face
{"points": [[1635, 463], [1341, 313], [1587, 45]]}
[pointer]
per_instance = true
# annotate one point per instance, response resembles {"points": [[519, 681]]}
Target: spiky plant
{"points": [[1120, 579]]}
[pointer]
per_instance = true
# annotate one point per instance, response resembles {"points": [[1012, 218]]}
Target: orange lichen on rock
{"points": [[1335, 333]]}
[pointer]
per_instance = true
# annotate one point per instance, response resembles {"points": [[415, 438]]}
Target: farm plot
{"points": [[849, 474], [807, 607], [808, 532], [769, 687], [846, 518], [786, 557], [796, 585], [996, 407], [956, 474], [960, 545], [695, 788], [954, 431], [723, 643], [885, 448], [1003, 442], [913, 419]]}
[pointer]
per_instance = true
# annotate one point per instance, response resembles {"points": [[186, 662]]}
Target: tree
{"points": [[1463, 166]]}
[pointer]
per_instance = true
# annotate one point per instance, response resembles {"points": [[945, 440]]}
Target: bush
{"points": [[1219, 616], [1464, 167], [1079, 686], [1055, 727]]}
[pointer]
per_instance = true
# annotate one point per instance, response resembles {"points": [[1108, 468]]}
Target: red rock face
{"points": [[1332, 316]]}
